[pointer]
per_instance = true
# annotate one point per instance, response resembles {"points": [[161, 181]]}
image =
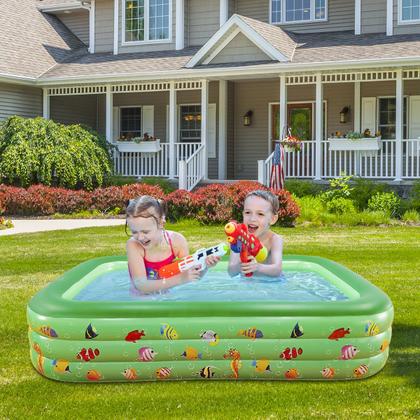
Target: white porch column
{"points": [[224, 11], [92, 27], [356, 107], [179, 24], [204, 114], [389, 17], [319, 129], [223, 104], [109, 103], [45, 104], [399, 132], [116, 29], [357, 17], [172, 129], [283, 107]]}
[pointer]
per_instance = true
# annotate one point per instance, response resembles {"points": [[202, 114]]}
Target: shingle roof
{"points": [[32, 42]]}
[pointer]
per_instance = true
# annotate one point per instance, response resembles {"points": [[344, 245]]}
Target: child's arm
{"points": [[234, 266], [135, 255], [274, 269]]}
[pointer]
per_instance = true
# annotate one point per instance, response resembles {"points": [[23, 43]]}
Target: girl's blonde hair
{"points": [[267, 196], [140, 207]]}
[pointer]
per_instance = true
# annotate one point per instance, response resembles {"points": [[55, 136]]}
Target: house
{"points": [[218, 81]]}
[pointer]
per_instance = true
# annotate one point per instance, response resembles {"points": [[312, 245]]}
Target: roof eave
{"points": [[17, 80]]}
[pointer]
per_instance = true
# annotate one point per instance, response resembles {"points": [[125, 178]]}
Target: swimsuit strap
{"points": [[169, 240]]}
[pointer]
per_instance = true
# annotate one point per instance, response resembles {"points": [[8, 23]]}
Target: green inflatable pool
{"points": [[141, 340]]}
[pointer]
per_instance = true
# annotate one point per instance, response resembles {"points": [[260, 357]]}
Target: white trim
{"points": [[92, 27], [224, 12], [399, 127], [179, 25], [405, 22], [204, 123], [283, 105], [223, 107], [297, 22], [249, 32], [356, 107], [319, 137], [146, 40], [109, 114], [172, 128], [116, 28], [60, 7], [358, 17], [221, 46], [45, 104], [389, 17]]}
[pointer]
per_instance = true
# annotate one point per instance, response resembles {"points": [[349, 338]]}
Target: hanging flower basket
{"points": [[291, 144]]}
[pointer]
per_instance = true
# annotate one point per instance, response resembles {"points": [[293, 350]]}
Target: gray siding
{"points": [[373, 16], [340, 16], [20, 100], [403, 29], [230, 138], [203, 20], [78, 109], [104, 26], [78, 23], [240, 50]]}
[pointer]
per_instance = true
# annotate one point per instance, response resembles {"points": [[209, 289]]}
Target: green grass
{"points": [[388, 257]]}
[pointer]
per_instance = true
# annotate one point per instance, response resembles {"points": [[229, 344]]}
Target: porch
{"points": [[211, 113]]}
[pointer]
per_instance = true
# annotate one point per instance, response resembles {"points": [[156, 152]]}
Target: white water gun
{"points": [[196, 259]]}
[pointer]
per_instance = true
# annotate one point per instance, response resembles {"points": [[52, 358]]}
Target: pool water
{"points": [[219, 286]]}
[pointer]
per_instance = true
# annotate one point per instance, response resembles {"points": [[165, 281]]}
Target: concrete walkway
{"points": [[42, 225]]}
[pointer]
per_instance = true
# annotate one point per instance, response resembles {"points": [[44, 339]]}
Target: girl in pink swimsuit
{"points": [[152, 247]]}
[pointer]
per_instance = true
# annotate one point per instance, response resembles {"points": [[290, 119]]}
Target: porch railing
{"points": [[152, 164], [191, 170], [375, 165]]}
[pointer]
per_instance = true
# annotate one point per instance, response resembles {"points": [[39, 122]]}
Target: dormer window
{"points": [[409, 11], [297, 11], [146, 21]]}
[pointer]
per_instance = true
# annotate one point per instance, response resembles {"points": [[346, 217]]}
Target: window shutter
{"points": [[369, 114], [148, 114], [414, 120], [211, 131], [115, 123]]}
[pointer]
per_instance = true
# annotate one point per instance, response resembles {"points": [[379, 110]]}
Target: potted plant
{"points": [[146, 144], [357, 141], [291, 143]]}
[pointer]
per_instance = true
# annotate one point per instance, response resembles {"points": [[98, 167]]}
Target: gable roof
{"points": [[271, 40], [32, 42]]}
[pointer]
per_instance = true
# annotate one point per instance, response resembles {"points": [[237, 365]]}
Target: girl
{"points": [[151, 247], [259, 214]]}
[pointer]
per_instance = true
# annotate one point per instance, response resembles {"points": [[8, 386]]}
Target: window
{"points": [[190, 124], [295, 11], [146, 20], [386, 118], [130, 123], [409, 11]]}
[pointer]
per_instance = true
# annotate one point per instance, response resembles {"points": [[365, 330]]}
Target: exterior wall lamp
{"points": [[248, 118], [343, 114]]}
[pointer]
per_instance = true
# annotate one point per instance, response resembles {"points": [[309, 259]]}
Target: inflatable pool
{"points": [[320, 321]]}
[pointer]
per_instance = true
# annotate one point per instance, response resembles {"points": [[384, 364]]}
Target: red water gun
{"points": [[245, 243]]}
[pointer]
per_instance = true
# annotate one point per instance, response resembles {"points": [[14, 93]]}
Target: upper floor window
{"points": [[409, 11], [298, 11], [146, 20]]}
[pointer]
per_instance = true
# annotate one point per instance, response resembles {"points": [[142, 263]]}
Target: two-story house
{"points": [[217, 81]]}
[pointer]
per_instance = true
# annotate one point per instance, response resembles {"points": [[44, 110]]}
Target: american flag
{"points": [[277, 170]]}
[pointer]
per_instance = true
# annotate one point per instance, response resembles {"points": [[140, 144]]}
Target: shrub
{"points": [[411, 216], [2, 203], [374, 218], [339, 188], [180, 205], [5, 223], [341, 205], [301, 188], [388, 203], [39, 151], [163, 183], [413, 201], [364, 189]]}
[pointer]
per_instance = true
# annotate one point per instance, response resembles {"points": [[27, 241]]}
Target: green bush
{"points": [[39, 151], [389, 203], [301, 188], [163, 183], [411, 216], [413, 200], [339, 188], [364, 189], [373, 218], [340, 205]]}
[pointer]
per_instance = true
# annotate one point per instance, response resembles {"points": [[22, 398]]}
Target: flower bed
{"points": [[210, 204]]}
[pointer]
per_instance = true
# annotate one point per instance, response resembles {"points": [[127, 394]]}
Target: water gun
{"points": [[245, 243], [196, 259]]}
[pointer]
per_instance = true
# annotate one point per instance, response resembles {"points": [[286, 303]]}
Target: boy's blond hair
{"points": [[267, 196]]}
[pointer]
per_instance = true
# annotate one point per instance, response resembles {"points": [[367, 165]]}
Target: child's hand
{"points": [[212, 260], [249, 267], [193, 274]]}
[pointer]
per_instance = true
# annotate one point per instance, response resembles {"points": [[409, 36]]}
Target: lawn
{"points": [[388, 257]]}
